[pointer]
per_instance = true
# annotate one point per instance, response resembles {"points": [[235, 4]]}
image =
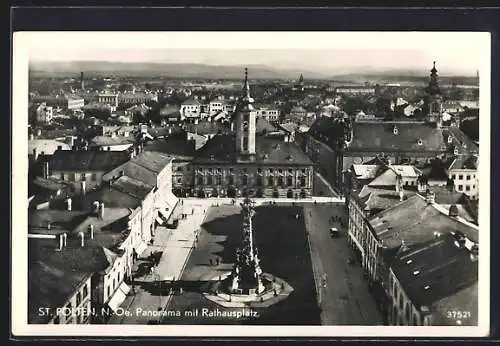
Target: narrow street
{"points": [[342, 292]]}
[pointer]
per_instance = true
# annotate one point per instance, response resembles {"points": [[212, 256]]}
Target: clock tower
{"points": [[245, 124]]}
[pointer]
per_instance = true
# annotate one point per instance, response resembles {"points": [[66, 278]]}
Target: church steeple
{"points": [[434, 99], [433, 87]]}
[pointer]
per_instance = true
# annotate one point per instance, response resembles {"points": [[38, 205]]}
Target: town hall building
{"points": [[242, 162]]}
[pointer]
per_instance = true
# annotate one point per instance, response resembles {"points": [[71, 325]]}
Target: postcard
{"points": [[213, 184]]}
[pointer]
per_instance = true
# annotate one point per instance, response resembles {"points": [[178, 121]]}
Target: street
{"points": [[342, 292]]}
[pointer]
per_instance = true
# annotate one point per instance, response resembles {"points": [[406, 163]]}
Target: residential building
{"points": [[136, 98], [114, 143], [190, 109], [435, 283], [44, 113], [463, 171], [88, 167]]}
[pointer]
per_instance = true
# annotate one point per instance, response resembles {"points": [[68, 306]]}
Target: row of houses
{"points": [[417, 243], [97, 215]]}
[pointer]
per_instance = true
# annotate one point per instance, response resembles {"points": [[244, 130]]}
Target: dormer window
{"points": [[450, 139], [395, 130], [416, 272], [419, 142], [455, 151]]}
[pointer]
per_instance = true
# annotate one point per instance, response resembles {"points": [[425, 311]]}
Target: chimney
{"points": [[68, 203], [45, 170], [101, 211], [430, 197], [61, 241], [95, 207], [83, 187], [91, 231], [82, 238]]}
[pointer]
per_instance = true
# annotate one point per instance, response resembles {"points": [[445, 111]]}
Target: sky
{"points": [[328, 52]]}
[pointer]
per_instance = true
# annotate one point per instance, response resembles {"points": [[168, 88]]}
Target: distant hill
{"points": [[145, 69]]}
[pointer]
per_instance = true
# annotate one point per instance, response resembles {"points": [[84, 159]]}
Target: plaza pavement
{"points": [[177, 245]]}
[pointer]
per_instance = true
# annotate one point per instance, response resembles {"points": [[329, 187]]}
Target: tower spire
{"points": [[246, 86]]}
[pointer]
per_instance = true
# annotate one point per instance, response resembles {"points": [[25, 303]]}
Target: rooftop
{"points": [[375, 199], [222, 149], [436, 271], [53, 276], [72, 160], [464, 162], [109, 141], [47, 146], [414, 220], [177, 147]]}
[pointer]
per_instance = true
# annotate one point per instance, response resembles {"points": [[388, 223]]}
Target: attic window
{"points": [[450, 139], [409, 261], [289, 158], [395, 130], [427, 287], [420, 142], [211, 157], [416, 272]]}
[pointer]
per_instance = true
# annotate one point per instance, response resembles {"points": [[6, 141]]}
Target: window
{"points": [[302, 182], [179, 180], [401, 302], [460, 177], [467, 187], [200, 180], [119, 277], [289, 181], [218, 180], [62, 176], [114, 284], [460, 187], [304, 171], [244, 180], [219, 170], [85, 292], [72, 177], [231, 180], [83, 177], [245, 171], [78, 299], [93, 177], [259, 181], [280, 181], [467, 177], [56, 320], [270, 181], [280, 170], [245, 143], [473, 186], [453, 176], [209, 180], [231, 170], [210, 170], [271, 170], [179, 169], [259, 170], [290, 171]]}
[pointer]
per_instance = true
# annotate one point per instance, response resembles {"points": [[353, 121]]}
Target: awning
{"points": [[116, 300], [139, 248], [164, 213], [159, 220], [124, 288]]}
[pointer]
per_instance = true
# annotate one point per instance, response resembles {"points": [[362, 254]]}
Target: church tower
{"points": [[434, 99], [245, 124]]}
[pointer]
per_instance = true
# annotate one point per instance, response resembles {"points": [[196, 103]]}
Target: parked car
{"points": [[334, 232]]}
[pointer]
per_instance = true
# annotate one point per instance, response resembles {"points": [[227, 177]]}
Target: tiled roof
{"points": [[464, 162], [366, 171], [60, 220], [264, 126], [111, 197], [380, 136], [415, 221], [191, 102], [153, 161], [107, 140], [222, 148], [460, 137], [54, 275], [131, 186], [435, 170], [57, 133], [289, 127], [205, 128], [48, 146], [376, 199], [72, 160], [435, 270], [177, 147]]}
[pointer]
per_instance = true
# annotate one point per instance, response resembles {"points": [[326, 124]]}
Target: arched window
{"points": [[78, 299], [408, 314]]}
